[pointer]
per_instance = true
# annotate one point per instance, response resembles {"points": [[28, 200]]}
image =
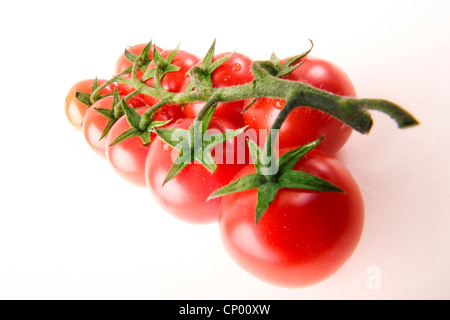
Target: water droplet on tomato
{"points": [[226, 78], [236, 67], [279, 104], [165, 147]]}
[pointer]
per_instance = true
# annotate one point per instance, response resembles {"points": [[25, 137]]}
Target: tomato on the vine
{"points": [[304, 236], [173, 81], [304, 125], [75, 109], [123, 63], [128, 157], [185, 195], [94, 123], [233, 72]]}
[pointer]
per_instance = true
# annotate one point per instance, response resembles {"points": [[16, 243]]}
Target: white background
{"points": [[71, 229]]}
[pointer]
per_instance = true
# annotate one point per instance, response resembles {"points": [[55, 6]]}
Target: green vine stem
{"points": [[267, 83], [351, 111]]}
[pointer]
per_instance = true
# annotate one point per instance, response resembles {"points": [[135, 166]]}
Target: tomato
{"points": [[304, 236], [173, 81], [128, 157], [304, 125], [94, 123], [76, 110], [185, 195], [137, 101], [235, 71], [123, 63]]}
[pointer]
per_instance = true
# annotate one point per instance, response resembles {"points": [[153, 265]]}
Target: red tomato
{"points": [[137, 102], [123, 63], [75, 110], [304, 236], [94, 123], [233, 72], [185, 196], [128, 157], [304, 125], [173, 81]]}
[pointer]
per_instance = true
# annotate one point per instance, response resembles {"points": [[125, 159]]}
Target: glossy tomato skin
{"points": [[128, 157], [233, 72], [173, 81], [123, 63], [305, 236], [304, 125], [185, 196], [94, 123], [75, 110]]}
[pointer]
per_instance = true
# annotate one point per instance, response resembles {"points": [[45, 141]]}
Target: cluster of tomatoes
{"points": [[304, 236]]}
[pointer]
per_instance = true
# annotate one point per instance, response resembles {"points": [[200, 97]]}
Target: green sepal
{"points": [[207, 60], [203, 73], [130, 56], [157, 124], [213, 66], [107, 113], [84, 98], [179, 164], [255, 153], [249, 182], [193, 146], [249, 105], [220, 138], [126, 71], [288, 160], [112, 114], [130, 133], [266, 194], [207, 160], [108, 127], [169, 135], [138, 128], [145, 56], [278, 70], [206, 120], [133, 118], [151, 73], [289, 66], [275, 60], [261, 160], [165, 65], [146, 138], [301, 180]]}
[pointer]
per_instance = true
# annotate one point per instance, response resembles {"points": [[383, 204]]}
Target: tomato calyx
{"points": [[141, 125], [284, 176], [112, 114], [140, 62], [162, 67], [278, 69], [201, 76], [194, 144], [86, 98]]}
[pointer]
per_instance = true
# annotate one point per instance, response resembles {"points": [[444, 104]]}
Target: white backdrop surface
{"points": [[71, 229]]}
